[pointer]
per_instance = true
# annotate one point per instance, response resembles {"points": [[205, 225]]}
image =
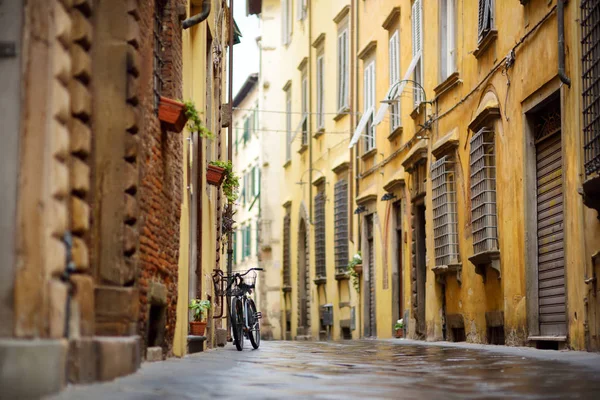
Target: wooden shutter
{"points": [[484, 24], [550, 214]]}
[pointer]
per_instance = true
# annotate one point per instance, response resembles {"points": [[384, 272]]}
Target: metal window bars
{"points": [[286, 250], [320, 245], [483, 191], [341, 226], [445, 225], [157, 80], [590, 43]]}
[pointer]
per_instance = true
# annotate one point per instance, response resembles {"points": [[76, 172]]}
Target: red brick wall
{"points": [[161, 183]]}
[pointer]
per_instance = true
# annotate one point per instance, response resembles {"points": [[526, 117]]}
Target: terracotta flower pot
{"points": [[172, 114], [399, 333], [358, 269], [215, 175], [197, 328]]}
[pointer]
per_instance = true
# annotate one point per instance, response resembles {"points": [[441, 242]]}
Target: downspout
{"points": [[230, 128], [351, 168], [196, 19], [355, 153], [561, 43], [310, 147]]}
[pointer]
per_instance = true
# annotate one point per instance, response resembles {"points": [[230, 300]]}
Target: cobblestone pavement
{"points": [[359, 369]]}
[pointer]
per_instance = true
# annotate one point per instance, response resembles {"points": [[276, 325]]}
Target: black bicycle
{"points": [[245, 319]]}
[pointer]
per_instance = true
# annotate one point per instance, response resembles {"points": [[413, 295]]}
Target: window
{"points": [[320, 240], [286, 21], [590, 34], [288, 124], [304, 108], [417, 48], [286, 247], [248, 240], [237, 137], [341, 225], [300, 9], [369, 103], [246, 130], [343, 70], [256, 180], [320, 91], [447, 38], [483, 191], [486, 18], [394, 61], [255, 127], [157, 81], [445, 223]]}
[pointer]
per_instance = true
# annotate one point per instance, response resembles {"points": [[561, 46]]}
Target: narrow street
{"points": [[359, 369]]}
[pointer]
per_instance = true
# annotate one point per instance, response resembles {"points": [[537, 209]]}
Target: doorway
{"points": [[371, 328], [398, 271], [420, 262]]}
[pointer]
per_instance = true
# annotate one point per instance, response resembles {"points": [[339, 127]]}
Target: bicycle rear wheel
{"points": [[237, 322], [253, 324]]}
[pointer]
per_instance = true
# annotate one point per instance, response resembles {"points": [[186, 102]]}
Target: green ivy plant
{"points": [[199, 307], [194, 122], [231, 184], [356, 260]]}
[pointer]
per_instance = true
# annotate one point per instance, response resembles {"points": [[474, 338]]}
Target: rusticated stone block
{"points": [[81, 137], [84, 296], [80, 254], [116, 304], [131, 147], [131, 209], [132, 8], [133, 31], [117, 357], [61, 102], [130, 177], [81, 63], [82, 361], [133, 119], [132, 89], [81, 99], [61, 65], [80, 215], [85, 6], [59, 180], [60, 141], [133, 61], [55, 257], [130, 238], [57, 295], [57, 218], [82, 29], [80, 176], [62, 22]]}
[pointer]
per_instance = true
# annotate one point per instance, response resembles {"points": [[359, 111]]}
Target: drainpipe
{"points": [[351, 168], [229, 153], [196, 19], [309, 121], [561, 43]]}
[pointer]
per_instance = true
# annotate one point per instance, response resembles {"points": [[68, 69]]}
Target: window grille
{"points": [[483, 191], [286, 249], [486, 18], [343, 70], [157, 81], [590, 42], [341, 225], [320, 233], [445, 226]]}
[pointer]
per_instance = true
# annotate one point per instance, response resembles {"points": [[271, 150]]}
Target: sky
{"points": [[245, 54]]}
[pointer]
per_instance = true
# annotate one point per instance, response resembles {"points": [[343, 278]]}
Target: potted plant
{"points": [[355, 269], [172, 114], [198, 307], [194, 122], [222, 172], [399, 328]]}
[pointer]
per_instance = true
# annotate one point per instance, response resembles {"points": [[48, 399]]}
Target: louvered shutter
{"points": [[417, 27]]}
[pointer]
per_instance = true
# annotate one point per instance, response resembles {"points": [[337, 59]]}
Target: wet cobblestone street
{"points": [[359, 369]]}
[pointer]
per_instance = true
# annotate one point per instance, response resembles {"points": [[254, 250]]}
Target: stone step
{"points": [[195, 344]]}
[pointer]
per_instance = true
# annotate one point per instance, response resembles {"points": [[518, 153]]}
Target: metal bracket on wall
{"points": [[8, 50]]}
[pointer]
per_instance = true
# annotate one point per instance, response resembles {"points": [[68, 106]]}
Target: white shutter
{"points": [[283, 22], [340, 70], [417, 28], [320, 94]]}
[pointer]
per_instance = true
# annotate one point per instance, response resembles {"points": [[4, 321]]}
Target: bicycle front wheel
{"points": [[253, 324], [237, 322]]}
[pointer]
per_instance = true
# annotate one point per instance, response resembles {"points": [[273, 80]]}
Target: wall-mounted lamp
{"points": [[388, 196], [360, 209]]}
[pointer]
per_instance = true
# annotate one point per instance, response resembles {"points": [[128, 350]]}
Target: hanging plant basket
{"points": [[197, 328], [172, 114], [215, 175]]}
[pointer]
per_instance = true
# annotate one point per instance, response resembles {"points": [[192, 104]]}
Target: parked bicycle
{"points": [[245, 319]]}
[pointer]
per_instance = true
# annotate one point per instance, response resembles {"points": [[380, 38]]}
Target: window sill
{"points": [[303, 148], [591, 193], [369, 154], [341, 114], [287, 163], [441, 271], [320, 280], [447, 84], [342, 274], [395, 133], [485, 43], [319, 133], [481, 260], [419, 109]]}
